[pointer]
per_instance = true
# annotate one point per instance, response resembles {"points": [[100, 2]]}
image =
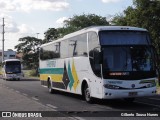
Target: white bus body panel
{"points": [[79, 69], [129, 88]]}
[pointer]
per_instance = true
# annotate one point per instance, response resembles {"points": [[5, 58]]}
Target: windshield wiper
{"points": [[126, 60]]}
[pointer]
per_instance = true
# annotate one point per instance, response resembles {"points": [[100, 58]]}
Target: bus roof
{"points": [[96, 29]]}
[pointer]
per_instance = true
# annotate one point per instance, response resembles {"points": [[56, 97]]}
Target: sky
{"points": [[33, 17]]}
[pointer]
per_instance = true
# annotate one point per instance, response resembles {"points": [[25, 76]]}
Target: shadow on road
{"points": [[118, 104]]}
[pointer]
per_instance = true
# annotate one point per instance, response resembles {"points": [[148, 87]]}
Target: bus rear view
{"points": [[12, 69]]}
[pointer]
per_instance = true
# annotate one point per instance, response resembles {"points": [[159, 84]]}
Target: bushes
{"points": [[30, 73], [33, 73]]}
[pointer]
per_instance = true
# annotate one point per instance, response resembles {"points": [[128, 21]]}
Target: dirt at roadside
{"points": [[158, 90]]}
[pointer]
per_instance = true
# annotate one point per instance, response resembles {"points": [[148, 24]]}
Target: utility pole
{"points": [[37, 35], [3, 40]]}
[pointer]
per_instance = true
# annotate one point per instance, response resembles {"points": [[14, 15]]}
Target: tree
{"points": [[29, 47], [82, 21], [145, 14], [73, 24], [50, 35]]}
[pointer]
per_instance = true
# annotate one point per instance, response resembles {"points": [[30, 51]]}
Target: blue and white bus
{"points": [[11, 69], [105, 62]]}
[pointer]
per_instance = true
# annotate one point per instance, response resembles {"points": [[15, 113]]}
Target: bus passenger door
{"points": [[95, 61], [96, 80]]}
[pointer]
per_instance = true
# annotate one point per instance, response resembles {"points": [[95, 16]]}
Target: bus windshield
{"points": [[13, 67], [127, 54], [128, 58]]}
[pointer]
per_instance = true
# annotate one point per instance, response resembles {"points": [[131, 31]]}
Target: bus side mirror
{"points": [[100, 56]]}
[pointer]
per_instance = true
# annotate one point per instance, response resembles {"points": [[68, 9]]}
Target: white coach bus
{"points": [[105, 62], [11, 69]]}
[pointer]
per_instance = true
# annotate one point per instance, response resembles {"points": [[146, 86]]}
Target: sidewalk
{"points": [[12, 101]]}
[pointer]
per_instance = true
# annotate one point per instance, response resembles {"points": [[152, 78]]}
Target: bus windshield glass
{"points": [[124, 38], [13, 67], [128, 58], [127, 54]]}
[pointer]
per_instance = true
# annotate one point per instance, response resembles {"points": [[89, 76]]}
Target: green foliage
{"points": [[0, 70], [28, 44], [33, 73], [29, 47], [73, 24], [82, 21], [145, 14], [50, 35]]}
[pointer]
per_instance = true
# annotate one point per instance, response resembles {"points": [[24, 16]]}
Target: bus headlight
{"points": [[111, 86], [18, 74], [151, 85], [148, 85]]}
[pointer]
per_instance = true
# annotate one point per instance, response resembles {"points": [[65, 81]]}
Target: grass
{"points": [[27, 73], [0, 71], [158, 88], [30, 74]]}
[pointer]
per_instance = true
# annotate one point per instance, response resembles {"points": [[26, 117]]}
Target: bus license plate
{"points": [[132, 93]]}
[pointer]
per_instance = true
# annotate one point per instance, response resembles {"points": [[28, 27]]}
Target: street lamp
{"points": [[37, 35]]}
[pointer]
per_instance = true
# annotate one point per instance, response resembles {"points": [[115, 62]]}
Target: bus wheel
{"points": [[129, 100], [50, 87], [87, 94]]}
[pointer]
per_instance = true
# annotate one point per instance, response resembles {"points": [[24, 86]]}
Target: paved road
{"points": [[12, 103], [60, 101]]}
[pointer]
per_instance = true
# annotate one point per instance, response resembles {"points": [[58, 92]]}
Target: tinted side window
{"points": [[50, 51], [78, 45], [82, 45], [56, 50], [72, 43], [64, 49], [94, 53], [92, 40]]}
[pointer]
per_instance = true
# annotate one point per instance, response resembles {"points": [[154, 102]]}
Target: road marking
{"points": [[147, 104], [44, 86], [79, 118], [25, 94], [35, 98], [154, 98], [17, 91], [52, 107], [49, 105]]}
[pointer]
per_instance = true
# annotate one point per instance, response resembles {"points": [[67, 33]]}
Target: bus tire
{"points": [[50, 87], [87, 96]]}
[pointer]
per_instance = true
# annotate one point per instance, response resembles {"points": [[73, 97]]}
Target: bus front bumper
{"points": [[116, 94], [12, 77]]}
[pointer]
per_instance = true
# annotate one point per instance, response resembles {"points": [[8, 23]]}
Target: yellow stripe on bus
{"points": [[75, 76], [55, 77]]}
